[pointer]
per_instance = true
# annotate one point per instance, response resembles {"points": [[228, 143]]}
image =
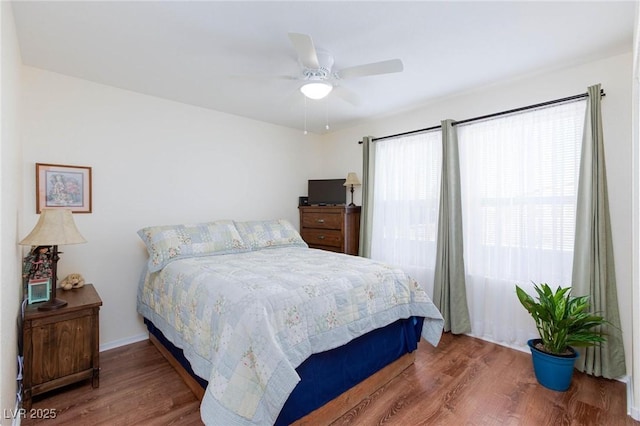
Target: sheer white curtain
{"points": [[405, 206], [519, 176]]}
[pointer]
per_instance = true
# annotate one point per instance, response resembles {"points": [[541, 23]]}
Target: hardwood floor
{"points": [[137, 387], [464, 381]]}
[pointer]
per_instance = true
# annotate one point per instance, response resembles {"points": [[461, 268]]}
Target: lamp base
{"points": [[52, 305], [351, 204]]}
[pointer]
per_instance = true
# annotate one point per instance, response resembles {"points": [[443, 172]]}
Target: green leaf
{"points": [[562, 320]]}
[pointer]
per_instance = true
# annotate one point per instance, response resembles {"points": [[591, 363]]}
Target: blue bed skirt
{"points": [[326, 375]]}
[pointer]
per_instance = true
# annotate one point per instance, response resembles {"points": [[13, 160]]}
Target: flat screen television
{"points": [[327, 191]]}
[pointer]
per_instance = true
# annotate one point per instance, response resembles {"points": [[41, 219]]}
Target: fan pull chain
{"points": [[305, 114], [326, 114], [326, 104]]}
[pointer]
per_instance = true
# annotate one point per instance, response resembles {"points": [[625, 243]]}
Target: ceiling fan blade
{"points": [[347, 95], [261, 77], [384, 67], [303, 45]]}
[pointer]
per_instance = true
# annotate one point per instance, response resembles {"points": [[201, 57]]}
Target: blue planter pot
{"points": [[552, 371]]}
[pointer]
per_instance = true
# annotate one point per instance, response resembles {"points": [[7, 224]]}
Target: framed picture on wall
{"points": [[60, 186]]}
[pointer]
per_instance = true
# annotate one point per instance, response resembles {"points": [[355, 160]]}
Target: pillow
{"points": [[269, 233], [171, 242]]}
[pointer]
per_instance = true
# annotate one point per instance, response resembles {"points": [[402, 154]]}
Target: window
{"points": [[519, 178], [406, 198]]}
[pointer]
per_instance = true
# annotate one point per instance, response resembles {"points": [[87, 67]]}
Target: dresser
{"points": [[61, 345], [333, 228]]}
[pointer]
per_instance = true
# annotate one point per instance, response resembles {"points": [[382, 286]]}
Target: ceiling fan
{"points": [[320, 78]]}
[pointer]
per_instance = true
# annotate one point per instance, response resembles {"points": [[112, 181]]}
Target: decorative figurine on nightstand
{"points": [[36, 274], [72, 281], [37, 264]]}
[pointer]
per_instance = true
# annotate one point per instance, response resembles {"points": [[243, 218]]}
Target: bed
{"points": [[271, 329]]}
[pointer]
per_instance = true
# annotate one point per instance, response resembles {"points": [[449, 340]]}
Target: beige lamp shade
{"points": [[55, 227], [352, 179]]}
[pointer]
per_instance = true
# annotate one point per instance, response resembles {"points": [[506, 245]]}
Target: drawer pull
{"points": [[320, 220], [321, 237]]}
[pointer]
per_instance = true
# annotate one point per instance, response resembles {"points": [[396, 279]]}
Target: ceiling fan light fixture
{"points": [[316, 89]]}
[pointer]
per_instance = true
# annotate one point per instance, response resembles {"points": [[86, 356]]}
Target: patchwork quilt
{"points": [[246, 320]]}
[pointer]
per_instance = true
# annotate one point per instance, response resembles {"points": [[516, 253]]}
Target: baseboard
{"points": [[121, 342], [632, 410], [518, 347]]}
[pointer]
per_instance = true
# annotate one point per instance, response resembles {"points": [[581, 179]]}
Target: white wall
{"points": [[153, 162], [615, 75], [10, 205]]}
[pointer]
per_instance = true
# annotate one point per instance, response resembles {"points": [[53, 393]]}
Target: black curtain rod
{"points": [[484, 117]]}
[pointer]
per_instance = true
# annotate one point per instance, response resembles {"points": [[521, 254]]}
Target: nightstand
{"points": [[61, 346]]}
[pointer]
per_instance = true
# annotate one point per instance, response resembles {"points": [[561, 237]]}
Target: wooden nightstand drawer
{"points": [[322, 220], [322, 237]]}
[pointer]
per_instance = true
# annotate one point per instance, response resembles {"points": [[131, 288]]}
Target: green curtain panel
{"points": [[449, 292], [366, 213], [593, 265]]}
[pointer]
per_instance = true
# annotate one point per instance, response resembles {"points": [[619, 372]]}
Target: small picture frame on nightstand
{"points": [[39, 289]]}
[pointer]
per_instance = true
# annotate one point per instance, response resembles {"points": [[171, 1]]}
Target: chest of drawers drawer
{"points": [[322, 237], [322, 220]]}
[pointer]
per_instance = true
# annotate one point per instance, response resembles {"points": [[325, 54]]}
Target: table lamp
{"points": [[55, 227], [352, 180]]}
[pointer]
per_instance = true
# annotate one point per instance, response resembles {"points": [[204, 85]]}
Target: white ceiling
{"points": [[227, 56]]}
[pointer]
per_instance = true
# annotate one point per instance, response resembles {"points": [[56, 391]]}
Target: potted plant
{"points": [[563, 322]]}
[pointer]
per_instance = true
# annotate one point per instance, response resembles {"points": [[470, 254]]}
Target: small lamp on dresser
{"points": [[352, 180], [55, 227]]}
